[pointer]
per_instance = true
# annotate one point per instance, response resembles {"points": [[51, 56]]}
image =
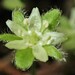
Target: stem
{"points": [[33, 69]]}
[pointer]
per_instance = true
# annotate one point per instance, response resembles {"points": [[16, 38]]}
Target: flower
{"points": [[34, 37]]}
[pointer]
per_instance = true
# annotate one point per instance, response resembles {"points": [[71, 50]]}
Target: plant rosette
{"points": [[34, 37]]}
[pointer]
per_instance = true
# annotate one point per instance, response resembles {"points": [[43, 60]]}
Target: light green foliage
{"points": [[17, 44], [24, 58], [40, 53], [18, 16], [52, 17], [16, 28], [35, 35], [9, 37], [53, 52], [12, 4]]}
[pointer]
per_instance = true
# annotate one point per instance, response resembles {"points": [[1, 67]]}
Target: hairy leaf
{"points": [[40, 53], [52, 17], [17, 44], [35, 19], [53, 38], [53, 52], [17, 16], [9, 37], [15, 28], [24, 58]]}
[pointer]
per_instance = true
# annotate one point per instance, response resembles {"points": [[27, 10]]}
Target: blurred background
{"points": [[67, 26]]}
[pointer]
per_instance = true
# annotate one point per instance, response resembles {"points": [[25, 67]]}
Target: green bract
{"points": [[52, 17], [18, 16], [24, 58], [53, 52], [32, 38]]}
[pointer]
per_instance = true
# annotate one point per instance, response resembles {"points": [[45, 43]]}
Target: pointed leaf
{"points": [[52, 17], [53, 52], [35, 19], [9, 37], [40, 53], [15, 28], [17, 44], [24, 58], [17, 16], [53, 38]]}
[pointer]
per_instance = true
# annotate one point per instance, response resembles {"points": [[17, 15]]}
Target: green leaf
{"points": [[17, 44], [18, 16], [53, 52], [15, 28], [53, 38], [9, 37], [35, 19], [52, 17], [24, 58], [9, 4], [40, 53]]}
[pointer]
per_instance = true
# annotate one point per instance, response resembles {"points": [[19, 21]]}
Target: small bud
{"points": [[26, 21], [29, 32], [44, 25]]}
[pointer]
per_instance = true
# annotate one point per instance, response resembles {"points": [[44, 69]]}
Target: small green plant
{"points": [[34, 37]]}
